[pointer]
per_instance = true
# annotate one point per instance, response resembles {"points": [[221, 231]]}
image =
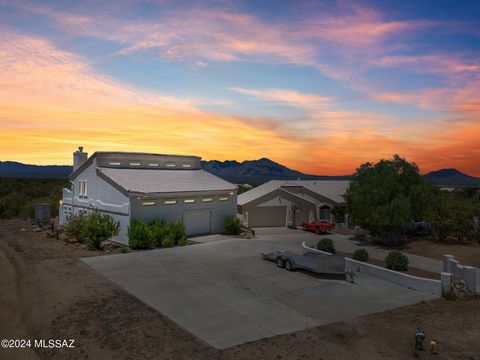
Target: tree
{"points": [[452, 214], [383, 197]]}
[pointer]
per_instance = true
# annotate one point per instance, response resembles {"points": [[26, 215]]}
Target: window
{"points": [[154, 164], [170, 202], [135, 164], [115, 163], [148, 203], [223, 198], [171, 165], [207, 199], [325, 212], [189, 201], [186, 165], [82, 185]]}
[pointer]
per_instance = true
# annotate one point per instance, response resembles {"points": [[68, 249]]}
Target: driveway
{"points": [[225, 294]]}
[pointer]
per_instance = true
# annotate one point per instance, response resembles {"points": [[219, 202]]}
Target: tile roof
{"points": [[165, 181], [331, 189]]}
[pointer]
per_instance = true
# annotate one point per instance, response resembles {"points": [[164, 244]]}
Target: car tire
{"points": [[280, 262], [318, 231], [305, 227], [288, 265]]}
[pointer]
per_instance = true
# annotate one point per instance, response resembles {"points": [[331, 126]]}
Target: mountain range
{"points": [[250, 171]]}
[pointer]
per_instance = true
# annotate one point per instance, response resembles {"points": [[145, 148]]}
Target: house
{"points": [[289, 203], [128, 185]]}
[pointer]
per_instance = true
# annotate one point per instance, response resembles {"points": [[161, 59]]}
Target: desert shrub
{"points": [[99, 227], [179, 232], [18, 196], [159, 230], [232, 225], [361, 255], [326, 245], [75, 226], [176, 233], [395, 260], [140, 235], [12, 205]]}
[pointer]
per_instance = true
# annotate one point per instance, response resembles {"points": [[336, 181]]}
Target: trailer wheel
{"points": [[288, 265], [280, 262]]}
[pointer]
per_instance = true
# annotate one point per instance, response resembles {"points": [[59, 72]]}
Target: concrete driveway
{"points": [[224, 293]]}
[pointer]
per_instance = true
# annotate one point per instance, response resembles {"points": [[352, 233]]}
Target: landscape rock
{"points": [[64, 237]]}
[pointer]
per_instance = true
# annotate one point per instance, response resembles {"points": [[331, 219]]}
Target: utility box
{"points": [[43, 213]]}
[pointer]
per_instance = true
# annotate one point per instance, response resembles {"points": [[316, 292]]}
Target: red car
{"points": [[319, 226]]}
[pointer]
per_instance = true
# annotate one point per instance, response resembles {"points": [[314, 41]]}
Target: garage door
{"points": [[197, 222], [267, 216]]}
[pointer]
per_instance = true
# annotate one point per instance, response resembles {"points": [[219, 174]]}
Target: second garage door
{"points": [[264, 216], [197, 222]]}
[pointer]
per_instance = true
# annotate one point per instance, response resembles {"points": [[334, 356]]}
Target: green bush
{"points": [[75, 225], [140, 235], [159, 231], [178, 230], [395, 260], [99, 227], [361, 255], [168, 234], [232, 225], [326, 245]]}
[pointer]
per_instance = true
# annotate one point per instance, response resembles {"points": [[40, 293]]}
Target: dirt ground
{"points": [[467, 254], [48, 293]]}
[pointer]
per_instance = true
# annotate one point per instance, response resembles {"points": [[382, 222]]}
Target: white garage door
{"points": [[197, 222], [265, 216]]}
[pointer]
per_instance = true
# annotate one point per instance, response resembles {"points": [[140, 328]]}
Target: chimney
{"points": [[79, 157]]}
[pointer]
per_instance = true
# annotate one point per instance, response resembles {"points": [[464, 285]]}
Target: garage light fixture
{"points": [[154, 164], [114, 163], [135, 164], [148, 203], [186, 165], [189, 201], [170, 202], [207, 199], [171, 165], [223, 198], [232, 193]]}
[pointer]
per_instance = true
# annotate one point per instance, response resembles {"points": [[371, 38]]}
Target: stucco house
{"points": [[289, 203], [129, 185]]}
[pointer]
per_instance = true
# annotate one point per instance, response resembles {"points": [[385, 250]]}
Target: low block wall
{"points": [[413, 282], [470, 274]]}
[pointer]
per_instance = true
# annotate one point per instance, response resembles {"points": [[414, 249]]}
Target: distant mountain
{"points": [[452, 178], [258, 171], [251, 171], [16, 169]]}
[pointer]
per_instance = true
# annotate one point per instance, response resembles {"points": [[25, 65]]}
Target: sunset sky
{"points": [[319, 86]]}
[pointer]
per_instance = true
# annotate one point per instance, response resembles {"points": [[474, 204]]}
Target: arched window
{"points": [[325, 212]]}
